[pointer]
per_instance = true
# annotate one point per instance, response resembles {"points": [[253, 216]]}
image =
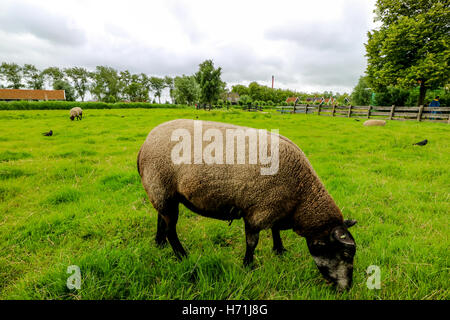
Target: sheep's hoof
{"points": [[161, 242], [279, 251], [250, 264]]}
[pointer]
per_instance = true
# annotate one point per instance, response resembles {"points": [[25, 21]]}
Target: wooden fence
{"points": [[441, 114]]}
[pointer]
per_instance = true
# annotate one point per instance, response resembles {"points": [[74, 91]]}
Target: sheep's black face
{"points": [[334, 255], [72, 117]]}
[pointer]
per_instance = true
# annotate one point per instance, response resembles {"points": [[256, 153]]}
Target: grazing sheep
{"points": [[292, 198], [76, 113], [371, 123]]}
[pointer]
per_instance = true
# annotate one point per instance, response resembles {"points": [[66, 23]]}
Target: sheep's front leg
{"points": [[251, 237]]}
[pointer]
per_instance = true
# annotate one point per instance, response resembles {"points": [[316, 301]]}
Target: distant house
{"points": [[292, 100], [232, 97], [321, 100], [35, 95]]}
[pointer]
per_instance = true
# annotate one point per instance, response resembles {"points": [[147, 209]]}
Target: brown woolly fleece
{"points": [[370, 123], [293, 198]]}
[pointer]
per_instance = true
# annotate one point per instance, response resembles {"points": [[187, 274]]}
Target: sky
{"points": [[307, 45]]}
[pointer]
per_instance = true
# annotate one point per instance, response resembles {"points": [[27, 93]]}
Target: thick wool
{"points": [[370, 123], [293, 198]]}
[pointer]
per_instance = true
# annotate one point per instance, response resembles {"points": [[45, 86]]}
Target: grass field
{"points": [[76, 199]]}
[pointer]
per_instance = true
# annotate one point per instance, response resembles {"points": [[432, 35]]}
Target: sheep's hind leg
{"points": [[251, 237], [170, 216], [161, 232], [277, 243]]}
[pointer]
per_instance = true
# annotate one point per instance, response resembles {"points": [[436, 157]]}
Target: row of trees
{"points": [[109, 85], [105, 83]]}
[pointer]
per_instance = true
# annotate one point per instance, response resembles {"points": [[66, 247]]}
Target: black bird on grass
{"points": [[421, 143], [48, 134], [357, 120]]}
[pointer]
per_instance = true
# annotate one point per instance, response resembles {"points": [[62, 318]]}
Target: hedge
{"points": [[66, 105]]}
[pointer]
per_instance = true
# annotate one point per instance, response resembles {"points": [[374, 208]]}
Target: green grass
{"points": [[76, 199]]}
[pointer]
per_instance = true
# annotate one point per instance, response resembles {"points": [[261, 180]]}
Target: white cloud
{"points": [[308, 46]]}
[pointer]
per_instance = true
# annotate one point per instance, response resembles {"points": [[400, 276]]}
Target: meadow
{"points": [[75, 198]]}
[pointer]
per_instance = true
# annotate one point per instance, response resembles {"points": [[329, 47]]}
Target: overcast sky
{"points": [[308, 46]]}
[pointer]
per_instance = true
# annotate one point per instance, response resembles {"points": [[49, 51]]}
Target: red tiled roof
{"points": [[291, 99], [20, 94]]}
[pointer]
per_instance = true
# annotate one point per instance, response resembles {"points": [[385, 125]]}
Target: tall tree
{"points": [[211, 86], [53, 74], [411, 47], [69, 92], [157, 85], [362, 93], [80, 80], [170, 85], [33, 77], [186, 90], [12, 74], [106, 85]]}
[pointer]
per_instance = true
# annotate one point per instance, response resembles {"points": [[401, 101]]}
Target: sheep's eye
{"points": [[346, 255]]}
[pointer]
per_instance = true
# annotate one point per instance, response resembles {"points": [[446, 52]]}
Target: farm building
{"points": [[321, 100], [232, 97], [293, 100], [21, 94]]}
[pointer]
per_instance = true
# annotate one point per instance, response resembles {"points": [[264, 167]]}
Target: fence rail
{"points": [[421, 113]]}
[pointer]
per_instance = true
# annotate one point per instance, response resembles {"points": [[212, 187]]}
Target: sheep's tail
{"points": [[138, 168]]}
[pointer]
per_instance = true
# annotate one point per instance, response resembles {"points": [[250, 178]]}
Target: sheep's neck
{"points": [[317, 213]]}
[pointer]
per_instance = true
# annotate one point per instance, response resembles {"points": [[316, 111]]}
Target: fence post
{"points": [[368, 112], [448, 122], [349, 111], [334, 109], [391, 114], [293, 111], [318, 110], [306, 109], [419, 114]]}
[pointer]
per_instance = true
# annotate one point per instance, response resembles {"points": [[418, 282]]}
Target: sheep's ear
{"points": [[343, 236], [349, 223]]}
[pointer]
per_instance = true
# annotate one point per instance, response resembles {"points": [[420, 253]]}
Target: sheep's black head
{"points": [[334, 254], [72, 117]]}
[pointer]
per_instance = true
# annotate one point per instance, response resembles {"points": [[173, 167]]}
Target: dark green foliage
{"points": [[68, 89], [211, 85], [362, 93], [411, 47]]}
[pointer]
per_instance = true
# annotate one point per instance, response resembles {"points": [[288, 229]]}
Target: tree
{"points": [[157, 85], [80, 80], [106, 85], [12, 73], [136, 89], [33, 77], [68, 89], [170, 85], [53, 74], [186, 90], [210, 83], [411, 47], [240, 89], [362, 93]]}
